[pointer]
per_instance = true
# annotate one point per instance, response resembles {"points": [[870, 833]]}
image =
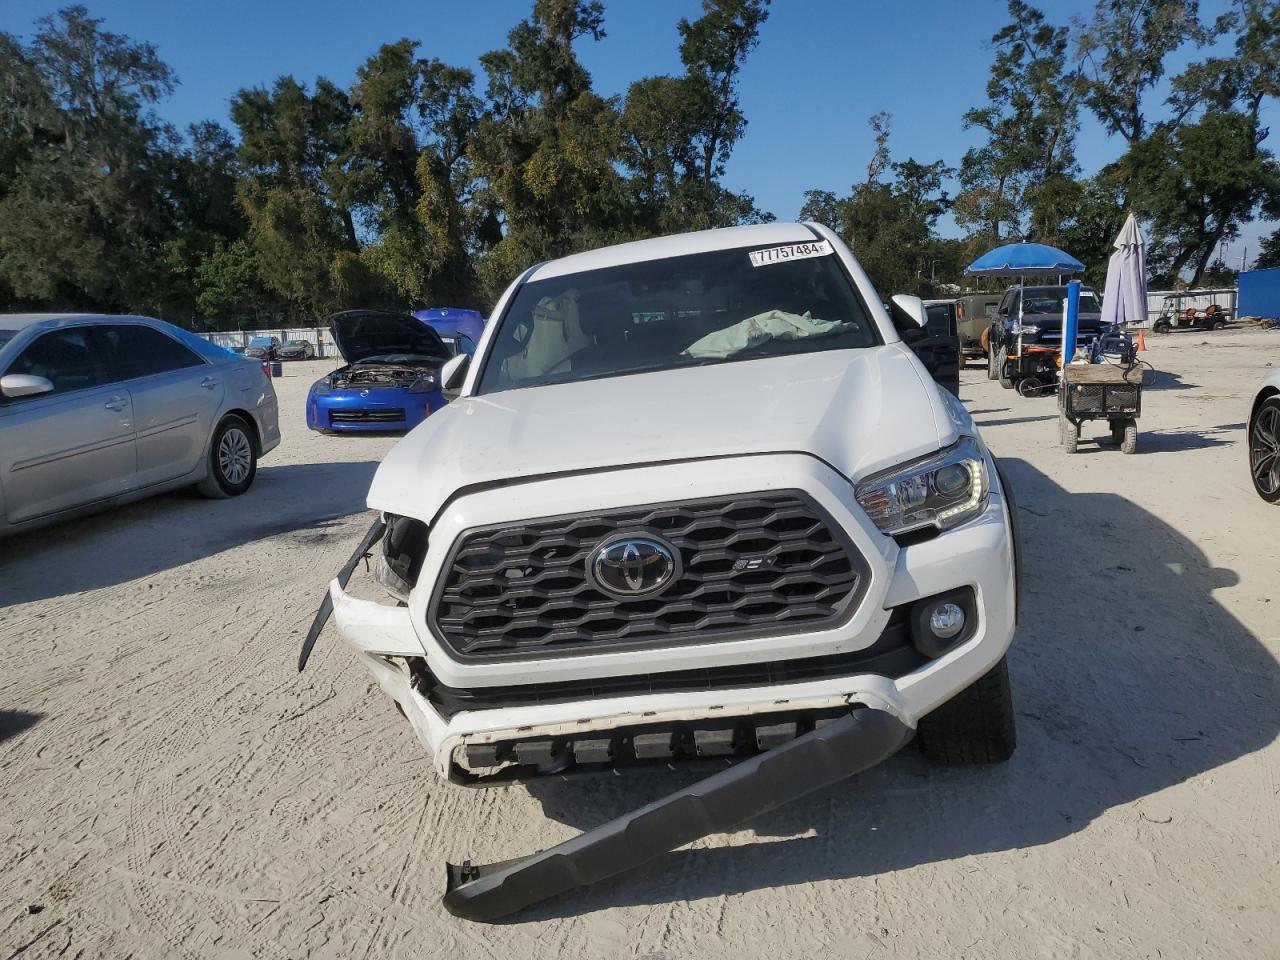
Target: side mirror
{"points": [[453, 375], [909, 317], [24, 385]]}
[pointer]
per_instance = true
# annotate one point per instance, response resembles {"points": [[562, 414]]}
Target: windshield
{"points": [[1050, 300], [6, 336], [703, 308], [260, 342]]}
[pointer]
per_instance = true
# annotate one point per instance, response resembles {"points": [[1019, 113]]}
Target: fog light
{"points": [[946, 620]]}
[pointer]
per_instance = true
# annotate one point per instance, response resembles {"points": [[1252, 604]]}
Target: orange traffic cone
{"points": [[1142, 341]]}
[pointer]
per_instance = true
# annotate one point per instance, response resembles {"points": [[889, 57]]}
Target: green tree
{"points": [[80, 148], [891, 226], [296, 192], [548, 147], [1022, 177], [1268, 252], [1123, 51]]}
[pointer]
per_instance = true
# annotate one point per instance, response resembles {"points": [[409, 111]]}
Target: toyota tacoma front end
{"points": [[695, 500]]}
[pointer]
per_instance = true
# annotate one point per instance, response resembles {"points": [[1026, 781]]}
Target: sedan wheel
{"points": [[233, 460], [1264, 450]]}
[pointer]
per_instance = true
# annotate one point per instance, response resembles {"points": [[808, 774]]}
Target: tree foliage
{"points": [[418, 182]]}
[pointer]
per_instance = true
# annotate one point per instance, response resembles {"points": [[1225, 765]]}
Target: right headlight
{"points": [[403, 549], [944, 490]]}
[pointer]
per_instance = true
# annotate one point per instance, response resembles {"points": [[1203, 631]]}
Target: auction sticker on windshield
{"points": [[797, 251]]}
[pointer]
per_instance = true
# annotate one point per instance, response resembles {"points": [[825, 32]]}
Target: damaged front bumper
{"points": [[827, 755]]}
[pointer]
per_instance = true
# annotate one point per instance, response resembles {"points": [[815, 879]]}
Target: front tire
{"points": [[233, 460], [1002, 363], [975, 726], [1264, 449]]}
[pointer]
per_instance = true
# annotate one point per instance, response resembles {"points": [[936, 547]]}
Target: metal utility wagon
{"points": [[1100, 391]]}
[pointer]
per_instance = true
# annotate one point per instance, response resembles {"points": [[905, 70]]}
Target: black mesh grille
{"points": [[523, 590], [367, 415]]}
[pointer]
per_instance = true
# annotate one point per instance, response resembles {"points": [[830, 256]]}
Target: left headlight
{"points": [[944, 490], [403, 549], [1027, 329], [424, 384]]}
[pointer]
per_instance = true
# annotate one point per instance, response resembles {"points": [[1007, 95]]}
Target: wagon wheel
{"points": [[1129, 444], [1070, 432]]}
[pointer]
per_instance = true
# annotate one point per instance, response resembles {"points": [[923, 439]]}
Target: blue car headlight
{"points": [[322, 387], [424, 384]]}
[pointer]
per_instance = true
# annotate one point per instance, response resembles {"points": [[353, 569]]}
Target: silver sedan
{"points": [[99, 410]]}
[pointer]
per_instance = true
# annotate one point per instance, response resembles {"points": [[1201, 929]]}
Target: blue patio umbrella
{"points": [[1023, 259]]}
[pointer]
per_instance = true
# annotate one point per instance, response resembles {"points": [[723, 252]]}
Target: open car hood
{"points": [[360, 334]]}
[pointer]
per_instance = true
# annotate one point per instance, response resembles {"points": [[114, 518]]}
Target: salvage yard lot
{"points": [[172, 788]]}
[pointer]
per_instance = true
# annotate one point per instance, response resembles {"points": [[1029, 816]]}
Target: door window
{"points": [[138, 351], [66, 358]]}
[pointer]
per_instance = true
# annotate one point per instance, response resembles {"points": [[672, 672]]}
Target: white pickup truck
{"points": [[694, 499]]}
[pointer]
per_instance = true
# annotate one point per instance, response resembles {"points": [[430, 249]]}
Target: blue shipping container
{"points": [[1260, 293]]}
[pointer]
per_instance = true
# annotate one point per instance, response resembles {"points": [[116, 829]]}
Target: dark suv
{"points": [[1039, 309], [939, 348]]}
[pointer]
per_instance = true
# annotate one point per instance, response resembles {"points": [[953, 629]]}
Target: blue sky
{"points": [[822, 68]]}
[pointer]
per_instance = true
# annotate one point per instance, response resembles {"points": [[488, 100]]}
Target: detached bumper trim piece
{"points": [[375, 533], [824, 756]]}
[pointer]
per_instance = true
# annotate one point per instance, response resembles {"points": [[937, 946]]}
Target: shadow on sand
{"points": [[14, 722], [1118, 696], [173, 529]]}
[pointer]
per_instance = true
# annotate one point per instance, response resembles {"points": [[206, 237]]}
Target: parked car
{"points": [[1264, 439], [392, 377], [296, 350], [974, 315], [263, 348], [459, 328], [1037, 312], [100, 410], [939, 347], [695, 498]]}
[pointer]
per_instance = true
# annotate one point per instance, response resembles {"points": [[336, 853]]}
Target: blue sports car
{"points": [[392, 377], [458, 327]]}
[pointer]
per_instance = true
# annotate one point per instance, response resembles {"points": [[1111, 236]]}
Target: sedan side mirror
{"points": [[16, 385], [453, 375]]}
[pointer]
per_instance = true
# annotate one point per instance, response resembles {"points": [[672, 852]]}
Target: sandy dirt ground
{"points": [[171, 788]]}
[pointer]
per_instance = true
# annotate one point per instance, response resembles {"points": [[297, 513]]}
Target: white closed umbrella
{"points": [[1124, 298]]}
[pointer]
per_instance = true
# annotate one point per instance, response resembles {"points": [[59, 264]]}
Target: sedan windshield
{"points": [[260, 342], [717, 307]]}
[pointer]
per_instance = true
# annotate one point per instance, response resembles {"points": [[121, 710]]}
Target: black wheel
{"points": [[1129, 442], [1163, 327], [233, 459], [1002, 362], [991, 366], [1030, 387], [974, 726], [1264, 449], [1070, 431], [1117, 432]]}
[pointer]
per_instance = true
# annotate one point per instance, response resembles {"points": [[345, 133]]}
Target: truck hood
{"points": [[859, 410]]}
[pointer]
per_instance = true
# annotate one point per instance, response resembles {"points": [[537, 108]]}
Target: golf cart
{"points": [[1174, 316]]}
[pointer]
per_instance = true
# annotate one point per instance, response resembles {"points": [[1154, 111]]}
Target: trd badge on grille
{"points": [[632, 566]]}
